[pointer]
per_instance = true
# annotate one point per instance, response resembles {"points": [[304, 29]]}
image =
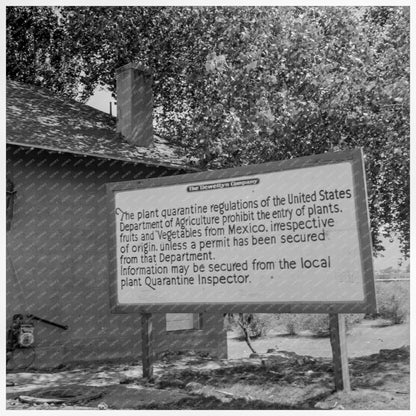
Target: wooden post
{"points": [[339, 351], [147, 345]]}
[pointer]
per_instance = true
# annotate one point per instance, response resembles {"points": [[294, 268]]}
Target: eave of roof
{"points": [[38, 119]]}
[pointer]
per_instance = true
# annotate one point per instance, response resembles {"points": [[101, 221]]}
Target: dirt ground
{"points": [[287, 373]]}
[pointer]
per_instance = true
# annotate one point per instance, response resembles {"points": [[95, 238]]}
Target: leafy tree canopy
{"points": [[242, 85]]}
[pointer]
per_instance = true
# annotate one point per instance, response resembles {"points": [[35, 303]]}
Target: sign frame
{"points": [[355, 156]]}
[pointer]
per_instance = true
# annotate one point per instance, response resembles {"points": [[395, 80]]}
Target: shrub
{"points": [[353, 319], [292, 322], [318, 324], [257, 324], [393, 302]]}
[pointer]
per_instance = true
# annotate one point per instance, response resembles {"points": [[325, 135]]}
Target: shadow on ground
{"points": [[278, 380]]}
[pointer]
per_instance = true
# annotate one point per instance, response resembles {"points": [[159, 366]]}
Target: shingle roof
{"points": [[36, 118]]}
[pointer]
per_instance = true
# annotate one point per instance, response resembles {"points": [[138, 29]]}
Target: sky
{"points": [[101, 100]]}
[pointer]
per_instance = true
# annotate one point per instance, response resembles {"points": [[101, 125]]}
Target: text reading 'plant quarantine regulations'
{"points": [[287, 236]]}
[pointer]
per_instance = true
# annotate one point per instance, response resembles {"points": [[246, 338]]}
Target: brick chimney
{"points": [[135, 104]]}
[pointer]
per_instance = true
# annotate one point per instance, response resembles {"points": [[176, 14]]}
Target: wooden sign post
{"points": [[147, 345], [339, 351]]}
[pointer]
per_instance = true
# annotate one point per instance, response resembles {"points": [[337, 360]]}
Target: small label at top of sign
{"points": [[222, 185]]}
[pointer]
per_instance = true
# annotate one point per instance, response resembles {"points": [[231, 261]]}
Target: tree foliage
{"points": [[243, 85]]}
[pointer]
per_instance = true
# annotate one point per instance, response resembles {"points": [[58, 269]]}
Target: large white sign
{"points": [[284, 236]]}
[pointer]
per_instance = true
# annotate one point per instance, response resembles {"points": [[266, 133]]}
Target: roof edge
{"points": [[139, 162]]}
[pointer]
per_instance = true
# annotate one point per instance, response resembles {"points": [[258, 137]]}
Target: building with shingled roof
{"points": [[60, 155]]}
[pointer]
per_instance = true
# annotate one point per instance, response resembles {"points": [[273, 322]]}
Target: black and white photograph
{"points": [[207, 206]]}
